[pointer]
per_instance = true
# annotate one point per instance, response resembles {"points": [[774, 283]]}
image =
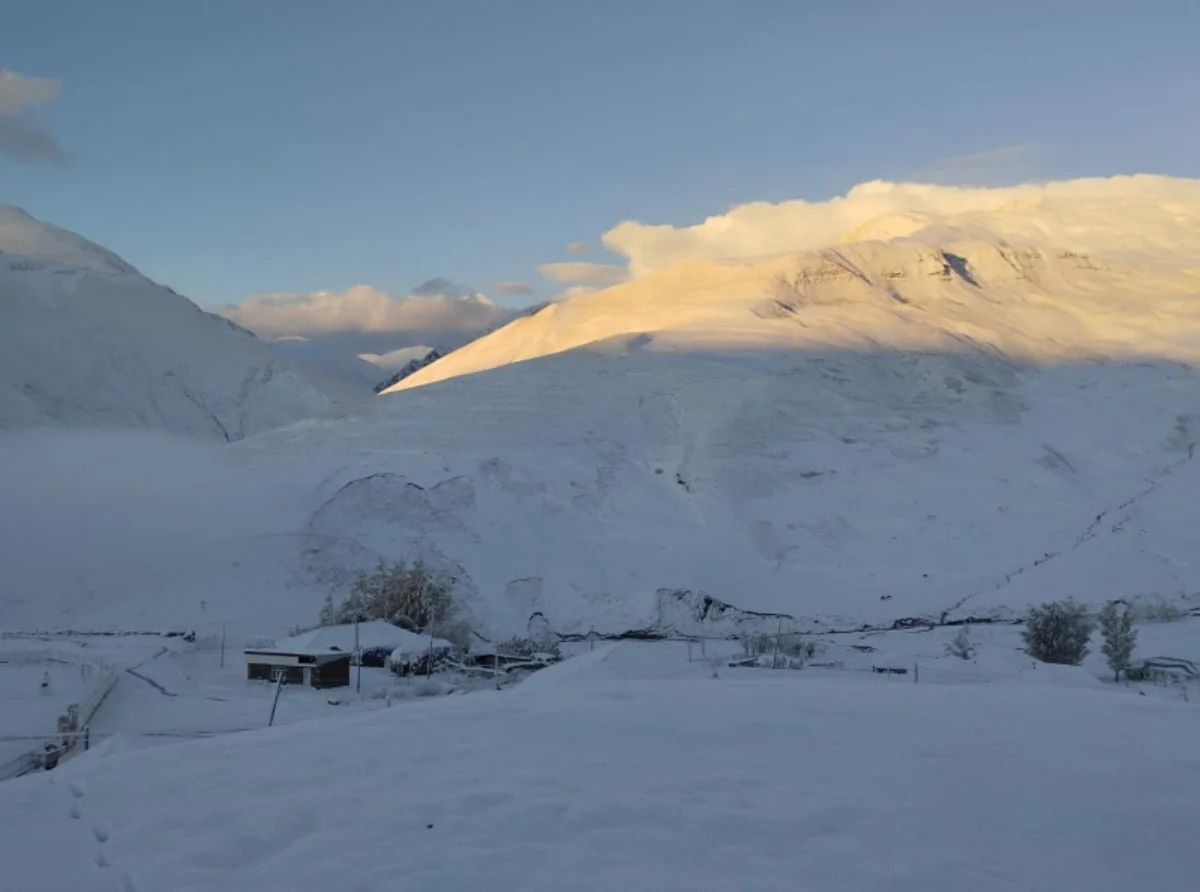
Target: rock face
{"points": [[411, 368], [86, 341]]}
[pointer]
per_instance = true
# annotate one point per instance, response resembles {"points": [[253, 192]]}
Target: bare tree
{"points": [[1116, 627], [962, 646], [1058, 632]]}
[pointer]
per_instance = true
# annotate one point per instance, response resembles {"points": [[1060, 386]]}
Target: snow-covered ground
{"points": [[29, 711], [607, 772], [168, 690]]}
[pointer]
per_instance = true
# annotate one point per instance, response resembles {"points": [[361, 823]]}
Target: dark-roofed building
{"points": [[313, 668]]}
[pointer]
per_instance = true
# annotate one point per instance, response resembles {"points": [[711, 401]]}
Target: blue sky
{"points": [[230, 148]]}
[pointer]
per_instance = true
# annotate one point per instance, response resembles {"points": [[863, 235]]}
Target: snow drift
{"points": [[691, 785]]}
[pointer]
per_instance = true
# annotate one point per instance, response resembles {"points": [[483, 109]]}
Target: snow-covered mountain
{"points": [[1029, 303], [328, 364], [950, 422], [85, 340]]}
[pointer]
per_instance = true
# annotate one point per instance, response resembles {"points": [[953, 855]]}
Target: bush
{"points": [[962, 646], [789, 650], [1116, 626], [375, 656], [410, 596], [530, 649], [427, 663], [1058, 632], [1156, 609]]}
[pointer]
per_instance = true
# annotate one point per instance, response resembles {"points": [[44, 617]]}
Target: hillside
{"points": [[860, 434], [1031, 304], [86, 341]]}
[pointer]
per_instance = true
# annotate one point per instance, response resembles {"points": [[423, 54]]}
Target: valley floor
{"points": [[632, 766]]}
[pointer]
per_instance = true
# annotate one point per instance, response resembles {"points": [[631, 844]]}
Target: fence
{"points": [[72, 727]]}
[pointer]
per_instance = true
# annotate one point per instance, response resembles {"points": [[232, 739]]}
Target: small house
{"points": [[312, 668]]}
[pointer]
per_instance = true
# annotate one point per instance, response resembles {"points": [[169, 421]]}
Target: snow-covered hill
{"points": [[85, 340], [943, 424]]}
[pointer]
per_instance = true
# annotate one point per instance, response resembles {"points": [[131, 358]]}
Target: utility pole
{"points": [[357, 658], [275, 703]]}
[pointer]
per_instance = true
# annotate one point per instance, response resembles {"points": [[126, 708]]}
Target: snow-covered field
{"points": [[607, 772]]}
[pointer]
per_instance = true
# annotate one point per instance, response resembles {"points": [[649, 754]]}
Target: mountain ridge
{"points": [[1038, 303], [86, 340]]}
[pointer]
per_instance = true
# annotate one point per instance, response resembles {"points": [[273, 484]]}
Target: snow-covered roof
{"points": [[418, 645], [375, 633]]}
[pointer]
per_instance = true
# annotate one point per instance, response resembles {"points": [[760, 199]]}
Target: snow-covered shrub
{"points": [[962, 646], [542, 649], [376, 657], [1058, 632], [429, 662], [1116, 627], [787, 650], [1156, 609], [755, 644], [413, 597]]}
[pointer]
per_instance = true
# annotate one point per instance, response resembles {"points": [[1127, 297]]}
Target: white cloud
{"points": [[24, 138], [434, 306], [598, 274], [517, 289], [1117, 215], [574, 291], [1007, 165], [579, 248], [394, 360], [18, 92]]}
